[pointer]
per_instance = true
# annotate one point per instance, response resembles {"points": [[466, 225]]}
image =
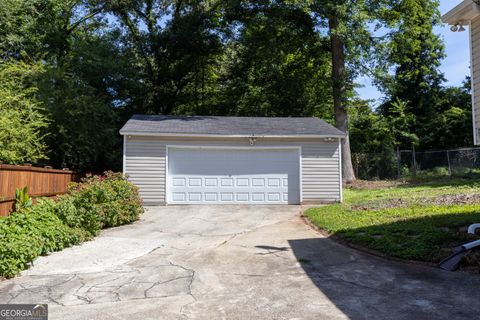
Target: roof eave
{"points": [[172, 135], [462, 14]]}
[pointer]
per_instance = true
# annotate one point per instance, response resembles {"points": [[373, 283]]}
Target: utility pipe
{"points": [[451, 263], [471, 245], [473, 227]]}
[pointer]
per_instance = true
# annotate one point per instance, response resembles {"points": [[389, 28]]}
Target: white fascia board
{"points": [[172, 135], [462, 14]]}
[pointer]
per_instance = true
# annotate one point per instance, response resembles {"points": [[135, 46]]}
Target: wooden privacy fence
{"points": [[41, 182]]}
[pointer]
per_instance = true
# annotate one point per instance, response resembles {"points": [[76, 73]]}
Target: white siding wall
{"points": [[145, 167], [320, 172], [145, 164], [475, 70]]}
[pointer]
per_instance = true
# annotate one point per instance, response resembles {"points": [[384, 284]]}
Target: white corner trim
{"points": [[165, 197], [340, 169], [124, 164], [472, 82], [300, 173]]}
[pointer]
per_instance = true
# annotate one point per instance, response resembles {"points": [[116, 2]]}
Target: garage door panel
{"points": [[243, 196], [233, 176], [179, 182], [211, 182], [242, 182], [211, 196], [179, 196]]}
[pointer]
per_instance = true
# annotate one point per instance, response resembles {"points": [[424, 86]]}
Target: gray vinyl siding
{"points": [[145, 167], [475, 70], [145, 164], [320, 172]]}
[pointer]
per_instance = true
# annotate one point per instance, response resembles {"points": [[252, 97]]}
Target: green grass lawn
{"points": [[410, 221]]}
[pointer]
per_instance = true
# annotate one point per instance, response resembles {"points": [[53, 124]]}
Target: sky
{"points": [[455, 66]]}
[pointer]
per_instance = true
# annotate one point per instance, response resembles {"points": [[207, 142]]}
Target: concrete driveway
{"points": [[234, 262]]}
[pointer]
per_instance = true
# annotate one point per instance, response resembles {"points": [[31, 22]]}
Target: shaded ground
{"points": [[234, 262]]}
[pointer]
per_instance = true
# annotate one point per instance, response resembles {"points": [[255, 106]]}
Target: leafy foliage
{"points": [[51, 225], [22, 199], [276, 65], [100, 202], [415, 53], [22, 119], [73, 71], [27, 234]]}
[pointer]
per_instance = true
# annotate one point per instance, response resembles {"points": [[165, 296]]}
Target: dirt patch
{"points": [[444, 200], [371, 185], [471, 263], [384, 204], [462, 198]]}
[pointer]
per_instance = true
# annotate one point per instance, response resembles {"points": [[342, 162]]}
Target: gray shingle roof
{"points": [[213, 125]]}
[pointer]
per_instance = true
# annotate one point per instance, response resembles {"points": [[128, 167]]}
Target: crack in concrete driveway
{"points": [[234, 262]]}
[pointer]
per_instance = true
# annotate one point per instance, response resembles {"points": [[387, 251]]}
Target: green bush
{"points": [[51, 225], [32, 232], [100, 202]]}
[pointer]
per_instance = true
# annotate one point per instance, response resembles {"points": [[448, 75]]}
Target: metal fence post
{"points": [[448, 161], [399, 163], [414, 160]]}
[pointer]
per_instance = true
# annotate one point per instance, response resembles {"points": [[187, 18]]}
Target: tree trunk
{"points": [[339, 96]]}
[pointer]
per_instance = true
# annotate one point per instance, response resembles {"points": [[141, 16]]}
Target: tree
{"points": [[348, 51], [415, 53], [276, 64], [19, 32], [373, 142], [80, 84], [173, 41], [22, 122], [450, 125], [399, 121], [339, 83]]}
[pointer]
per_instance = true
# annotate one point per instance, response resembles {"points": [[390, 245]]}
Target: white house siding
{"points": [[320, 172], [145, 164], [475, 70]]}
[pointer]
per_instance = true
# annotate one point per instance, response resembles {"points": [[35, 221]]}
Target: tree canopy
{"points": [[73, 71]]}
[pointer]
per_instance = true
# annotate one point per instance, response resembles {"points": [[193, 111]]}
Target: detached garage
{"points": [[225, 160]]}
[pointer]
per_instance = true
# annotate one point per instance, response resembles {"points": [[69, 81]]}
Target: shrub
{"points": [[100, 202], [35, 231], [51, 225]]}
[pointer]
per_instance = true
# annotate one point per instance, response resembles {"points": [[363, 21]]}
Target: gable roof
{"points": [[159, 125]]}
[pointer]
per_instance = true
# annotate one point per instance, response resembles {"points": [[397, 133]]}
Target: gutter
{"points": [[172, 135]]}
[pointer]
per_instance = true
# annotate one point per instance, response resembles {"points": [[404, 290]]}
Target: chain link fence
{"points": [[406, 164]]}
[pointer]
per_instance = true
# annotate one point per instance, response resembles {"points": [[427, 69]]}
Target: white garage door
{"points": [[206, 175]]}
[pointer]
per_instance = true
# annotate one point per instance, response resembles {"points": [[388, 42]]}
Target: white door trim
{"points": [[173, 146]]}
